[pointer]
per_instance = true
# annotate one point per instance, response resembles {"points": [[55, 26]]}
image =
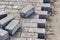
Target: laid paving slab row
{"points": [[37, 23], [34, 25], [34, 20], [36, 31], [33, 35], [43, 7]]}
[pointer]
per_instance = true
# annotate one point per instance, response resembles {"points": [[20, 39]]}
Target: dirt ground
{"points": [[55, 21]]}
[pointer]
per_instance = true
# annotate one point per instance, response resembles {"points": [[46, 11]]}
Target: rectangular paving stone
{"points": [[5, 21], [40, 1], [37, 30], [27, 11], [14, 38], [38, 20], [42, 9], [42, 14], [3, 34], [33, 25], [29, 35], [34, 39], [35, 20], [43, 5], [12, 27]]}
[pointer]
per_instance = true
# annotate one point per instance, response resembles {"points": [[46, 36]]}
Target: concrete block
{"points": [[29, 35], [43, 9], [3, 34], [34, 39], [28, 25], [34, 25], [13, 26], [43, 5], [27, 11], [5, 21], [37, 30], [40, 1], [42, 14], [38, 20], [34, 16], [3, 14], [35, 20]]}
